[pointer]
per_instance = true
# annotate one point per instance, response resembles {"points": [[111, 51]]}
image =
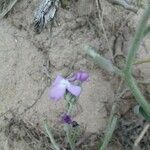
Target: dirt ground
{"points": [[29, 62]]}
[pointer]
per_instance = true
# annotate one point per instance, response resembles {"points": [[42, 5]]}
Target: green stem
{"points": [[130, 59], [146, 31], [70, 108], [71, 142], [137, 40], [51, 136], [109, 132], [103, 62], [137, 93], [67, 128], [112, 119], [113, 111]]}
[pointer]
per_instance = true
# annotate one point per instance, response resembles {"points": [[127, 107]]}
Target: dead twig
{"points": [[7, 8], [124, 4], [142, 61], [137, 141], [99, 8], [44, 14]]}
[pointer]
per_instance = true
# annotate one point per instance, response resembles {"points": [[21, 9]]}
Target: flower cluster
{"points": [[61, 85], [65, 118], [71, 84]]}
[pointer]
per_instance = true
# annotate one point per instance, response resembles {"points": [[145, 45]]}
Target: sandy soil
{"points": [[25, 55]]}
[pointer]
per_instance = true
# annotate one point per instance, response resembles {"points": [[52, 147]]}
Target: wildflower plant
{"points": [[68, 89], [126, 74]]}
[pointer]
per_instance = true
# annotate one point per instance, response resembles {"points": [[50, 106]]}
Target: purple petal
{"points": [[66, 118], [80, 76], [57, 80], [74, 89], [56, 92]]}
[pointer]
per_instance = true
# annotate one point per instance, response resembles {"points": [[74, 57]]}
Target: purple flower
{"points": [[59, 87], [66, 119], [80, 76]]}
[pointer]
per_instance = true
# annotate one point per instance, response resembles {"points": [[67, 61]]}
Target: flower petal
{"points": [[66, 118], [57, 80], [56, 92], [82, 76], [74, 89]]}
